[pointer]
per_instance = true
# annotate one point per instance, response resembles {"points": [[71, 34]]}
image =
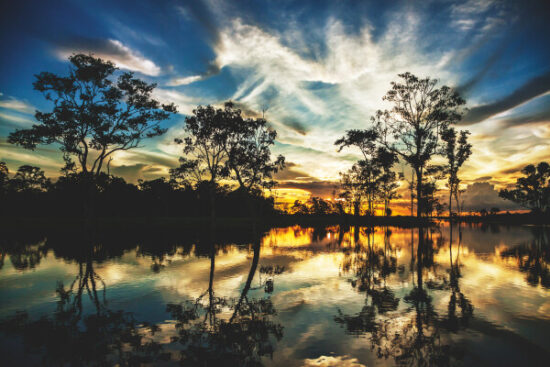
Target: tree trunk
{"points": [[419, 203], [450, 202], [212, 191]]}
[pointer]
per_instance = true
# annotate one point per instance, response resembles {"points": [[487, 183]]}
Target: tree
{"points": [[411, 129], [374, 171], [533, 190], [29, 178], [204, 145], [94, 116], [220, 143], [456, 152], [353, 192], [4, 177], [388, 180], [248, 151]]}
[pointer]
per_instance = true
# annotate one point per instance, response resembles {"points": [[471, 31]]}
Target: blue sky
{"points": [[317, 67]]}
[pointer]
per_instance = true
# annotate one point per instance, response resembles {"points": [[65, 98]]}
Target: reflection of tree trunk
{"points": [[419, 257], [248, 283]]}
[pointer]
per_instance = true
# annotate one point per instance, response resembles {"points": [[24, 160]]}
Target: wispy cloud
{"points": [[15, 104], [531, 89], [110, 49]]}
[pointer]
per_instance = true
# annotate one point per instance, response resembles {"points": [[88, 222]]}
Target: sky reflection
{"points": [[308, 296]]}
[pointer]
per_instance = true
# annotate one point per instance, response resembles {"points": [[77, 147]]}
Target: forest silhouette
{"points": [[227, 169]]}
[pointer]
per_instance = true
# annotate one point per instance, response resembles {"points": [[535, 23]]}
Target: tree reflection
{"points": [[226, 331], [74, 336], [533, 257], [411, 333]]}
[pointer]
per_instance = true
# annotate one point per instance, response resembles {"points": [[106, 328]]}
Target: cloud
{"points": [[109, 49], [291, 172], [531, 89], [18, 120], [315, 188], [132, 173], [15, 104], [184, 80], [542, 115], [330, 361], [482, 195]]}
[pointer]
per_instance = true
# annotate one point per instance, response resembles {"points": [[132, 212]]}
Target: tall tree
{"points": [[456, 152], [388, 180], [411, 129], [93, 115], [533, 190], [248, 149], [204, 145]]}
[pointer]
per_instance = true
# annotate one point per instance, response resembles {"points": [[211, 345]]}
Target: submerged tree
{"points": [[412, 128], [456, 152], [533, 190]]}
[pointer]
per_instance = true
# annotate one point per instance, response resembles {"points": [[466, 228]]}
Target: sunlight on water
{"points": [[294, 296]]}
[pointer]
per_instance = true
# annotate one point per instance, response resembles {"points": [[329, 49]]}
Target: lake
{"points": [[477, 295]]}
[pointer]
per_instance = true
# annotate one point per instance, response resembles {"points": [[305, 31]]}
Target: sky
{"points": [[317, 68]]}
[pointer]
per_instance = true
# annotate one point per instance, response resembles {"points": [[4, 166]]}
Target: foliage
{"points": [[93, 115], [456, 152], [533, 190], [29, 178], [371, 178], [30, 193], [412, 128]]}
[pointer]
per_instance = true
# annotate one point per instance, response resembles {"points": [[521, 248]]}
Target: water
{"points": [[290, 296]]}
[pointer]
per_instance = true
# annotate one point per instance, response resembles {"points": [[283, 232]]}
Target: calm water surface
{"points": [[295, 296]]}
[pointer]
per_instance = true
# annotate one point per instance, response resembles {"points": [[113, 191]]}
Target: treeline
{"points": [[29, 193], [98, 112]]}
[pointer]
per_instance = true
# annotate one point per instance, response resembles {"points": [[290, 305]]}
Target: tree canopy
{"points": [[94, 115]]}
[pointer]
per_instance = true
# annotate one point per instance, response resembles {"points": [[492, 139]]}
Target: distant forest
{"points": [[227, 168]]}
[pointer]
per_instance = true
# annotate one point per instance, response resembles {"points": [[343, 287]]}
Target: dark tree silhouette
{"points": [[205, 139], [29, 178], [373, 173], [352, 185], [248, 151], [533, 190], [220, 143], [412, 128], [4, 174], [94, 116], [457, 152]]}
